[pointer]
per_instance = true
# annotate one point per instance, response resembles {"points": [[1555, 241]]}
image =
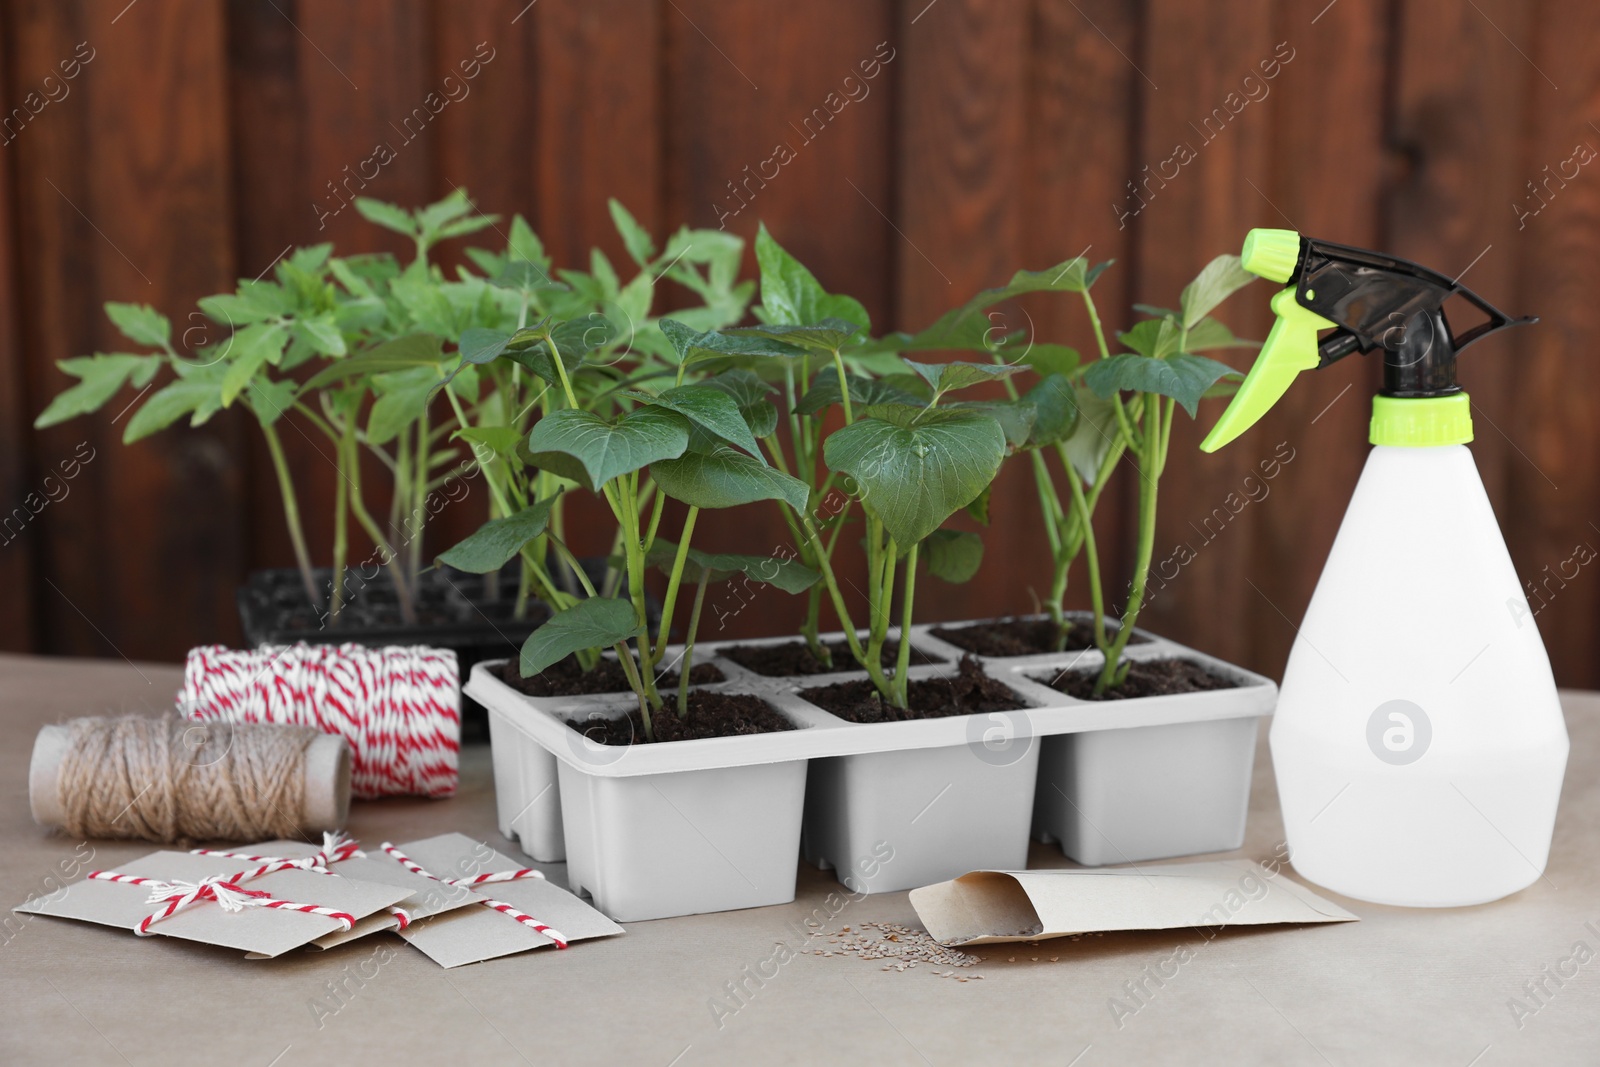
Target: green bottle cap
{"points": [[1421, 422], [1271, 254]]}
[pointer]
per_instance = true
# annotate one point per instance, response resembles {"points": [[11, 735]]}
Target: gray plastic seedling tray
{"points": [[1106, 773]]}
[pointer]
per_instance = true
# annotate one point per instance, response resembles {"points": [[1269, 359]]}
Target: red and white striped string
{"points": [[398, 707], [224, 889], [337, 847], [496, 876]]}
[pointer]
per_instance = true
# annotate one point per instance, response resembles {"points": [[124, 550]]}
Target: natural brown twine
{"points": [[171, 779]]}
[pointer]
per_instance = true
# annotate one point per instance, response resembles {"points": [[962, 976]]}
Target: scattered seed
{"points": [[900, 947]]}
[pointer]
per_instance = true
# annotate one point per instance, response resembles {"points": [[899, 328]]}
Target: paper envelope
{"points": [[473, 934], [427, 896], [264, 931], [991, 907]]}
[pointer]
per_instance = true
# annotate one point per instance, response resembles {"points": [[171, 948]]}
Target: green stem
{"points": [[844, 387], [1085, 514], [519, 609], [633, 548], [828, 578], [561, 368], [572, 562], [632, 673], [881, 593], [687, 663], [341, 544], [419, 500], [291, 513], [1094, 321], [902, 664], [358, 506], [669, 603], [1151, 458]]}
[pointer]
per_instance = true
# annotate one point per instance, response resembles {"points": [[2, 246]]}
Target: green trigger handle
{"points": [[1290, 348]]}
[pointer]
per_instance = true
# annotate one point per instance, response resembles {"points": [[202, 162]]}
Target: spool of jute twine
{"points": [[171, 779]]}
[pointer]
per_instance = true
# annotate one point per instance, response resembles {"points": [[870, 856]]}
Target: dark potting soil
{"points": [[565, 678], [1020, 637], [273, 607], [969, 690], [1150, 678], [794, 658], [710, 715]]}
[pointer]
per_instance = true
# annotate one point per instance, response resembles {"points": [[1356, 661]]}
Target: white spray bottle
{"points": [[1418, 744]]}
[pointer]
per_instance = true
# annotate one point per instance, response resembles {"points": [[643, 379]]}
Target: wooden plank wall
{"points": [[195, 144]]}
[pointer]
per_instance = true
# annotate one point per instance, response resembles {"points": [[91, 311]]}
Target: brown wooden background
{"points": [[192, 148]]}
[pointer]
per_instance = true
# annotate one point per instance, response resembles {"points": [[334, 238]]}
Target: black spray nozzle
{"points": [[1370, 301], [1378, 301]]}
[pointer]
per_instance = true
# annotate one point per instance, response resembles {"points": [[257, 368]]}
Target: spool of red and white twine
{"points": [[400, 708]]}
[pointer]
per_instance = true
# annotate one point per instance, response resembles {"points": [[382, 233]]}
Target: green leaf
{"points": [[524, 245], [100, 376], [520, 275], [321, 332], [388, 216], [979, 507], [1047, 359], [598, 622], [1226, 385], [529, 346], [948, 377], [724, 478], [497, 541], [970, 327], [745, 386], [1094, 435], [403, 353], [452, 217], [168, 404], [310, 259], [953, 555], [824, 335], [824, 392], [749, 392], [1208, 333], [791, 294], [711, 409], [1156, 338], [1220, 279], [462, 227], [1014, 416], [605, 450], [789, 575], [913, 467], [1055, 410], [230, 309], [270, 400], [249, 350], [634, 236], [1185, 378], [491, 442], [141, 324], [693, 346], [480, 345], [402, 398]]}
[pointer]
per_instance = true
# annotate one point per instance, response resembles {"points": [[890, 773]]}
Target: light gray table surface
{"points": [[1399, 987]]}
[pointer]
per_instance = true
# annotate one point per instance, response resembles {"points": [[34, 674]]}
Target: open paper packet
{"points": [[992, 907], [456, 899]]}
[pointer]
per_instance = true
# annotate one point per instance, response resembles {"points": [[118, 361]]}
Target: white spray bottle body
{"points": [[1419, 744]]}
